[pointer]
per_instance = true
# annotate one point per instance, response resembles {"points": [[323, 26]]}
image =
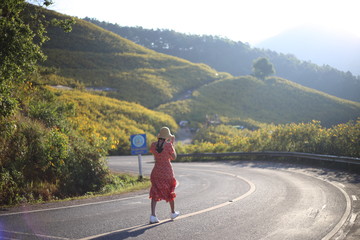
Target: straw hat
{"points": [[165, 133]]}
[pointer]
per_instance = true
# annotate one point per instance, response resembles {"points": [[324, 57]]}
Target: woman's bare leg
{"points": [[153, 206], [172, 206]]}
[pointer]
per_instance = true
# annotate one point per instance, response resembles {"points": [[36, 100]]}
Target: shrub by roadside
{"points": [[44, 157], [341, 140]]}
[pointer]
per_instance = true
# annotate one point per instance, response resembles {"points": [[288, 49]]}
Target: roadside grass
{"points": [[119, 183], [122, 183]]}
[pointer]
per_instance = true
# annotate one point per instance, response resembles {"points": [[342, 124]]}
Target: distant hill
{"points": [[119, 68], [237, 58], [320, 46], [274, 100]]}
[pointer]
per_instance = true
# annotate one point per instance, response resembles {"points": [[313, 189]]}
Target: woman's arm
{"points": [[173, 155], [152, 148]]}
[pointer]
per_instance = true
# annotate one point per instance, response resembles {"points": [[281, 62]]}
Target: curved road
{"points": [[235, 200]]}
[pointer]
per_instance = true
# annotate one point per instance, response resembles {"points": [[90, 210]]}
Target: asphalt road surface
{"points": [[233, 200]]}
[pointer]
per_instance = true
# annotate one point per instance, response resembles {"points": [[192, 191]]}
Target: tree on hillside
{"points": [[262, 68]]}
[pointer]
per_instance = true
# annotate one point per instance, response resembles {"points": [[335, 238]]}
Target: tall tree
{"points": [[21, 38], [262, 68], [18, 52]]}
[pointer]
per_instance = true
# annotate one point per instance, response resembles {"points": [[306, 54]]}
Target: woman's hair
{"points": [[160, 145]]}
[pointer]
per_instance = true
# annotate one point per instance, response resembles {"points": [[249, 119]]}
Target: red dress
{"points": [[162, 176]]}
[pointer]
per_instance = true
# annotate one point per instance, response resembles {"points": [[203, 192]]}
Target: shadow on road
{"points": [[131, 232]]}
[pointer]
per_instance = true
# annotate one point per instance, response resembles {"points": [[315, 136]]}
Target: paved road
{"points": [[217, 201]]}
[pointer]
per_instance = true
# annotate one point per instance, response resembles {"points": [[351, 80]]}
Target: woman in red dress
{"points": [[162, 177]]}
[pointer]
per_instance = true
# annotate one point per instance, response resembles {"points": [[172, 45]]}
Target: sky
{"points": [[249, 21]]}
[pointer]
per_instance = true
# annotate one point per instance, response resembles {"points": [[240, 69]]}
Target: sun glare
{"points": [[247, 21]]}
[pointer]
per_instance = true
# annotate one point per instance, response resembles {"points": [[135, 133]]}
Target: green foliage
{"points": [[42, 155], [341, 140], [49, 76], [49, 113], [124, 182], [52, 147], [113, 120], [22, 31], [262, 68], [10, 182], [43, 151], [85, 169], [19, 52]]}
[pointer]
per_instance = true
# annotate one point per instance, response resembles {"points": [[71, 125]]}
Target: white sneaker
{"points": [[174, 215], [153, 219]]}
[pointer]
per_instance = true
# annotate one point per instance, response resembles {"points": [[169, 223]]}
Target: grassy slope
{"points": [[274, 100], [103, 59], [112, 119]]}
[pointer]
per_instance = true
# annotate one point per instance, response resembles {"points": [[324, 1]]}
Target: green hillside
{"points": [[236, 58], [274, 100], [102, 59]]}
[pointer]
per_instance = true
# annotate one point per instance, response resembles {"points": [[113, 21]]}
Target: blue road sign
{"points": [[138, 144]]}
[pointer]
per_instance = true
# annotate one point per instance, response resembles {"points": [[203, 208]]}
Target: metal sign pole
{"points": [[138, 147], [140, 167]]}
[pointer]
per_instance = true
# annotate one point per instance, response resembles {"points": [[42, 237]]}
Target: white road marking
{"points": [[344, 216], [34, 234], [347, 210], [72, 206], [353, 218], [6, 238]]}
